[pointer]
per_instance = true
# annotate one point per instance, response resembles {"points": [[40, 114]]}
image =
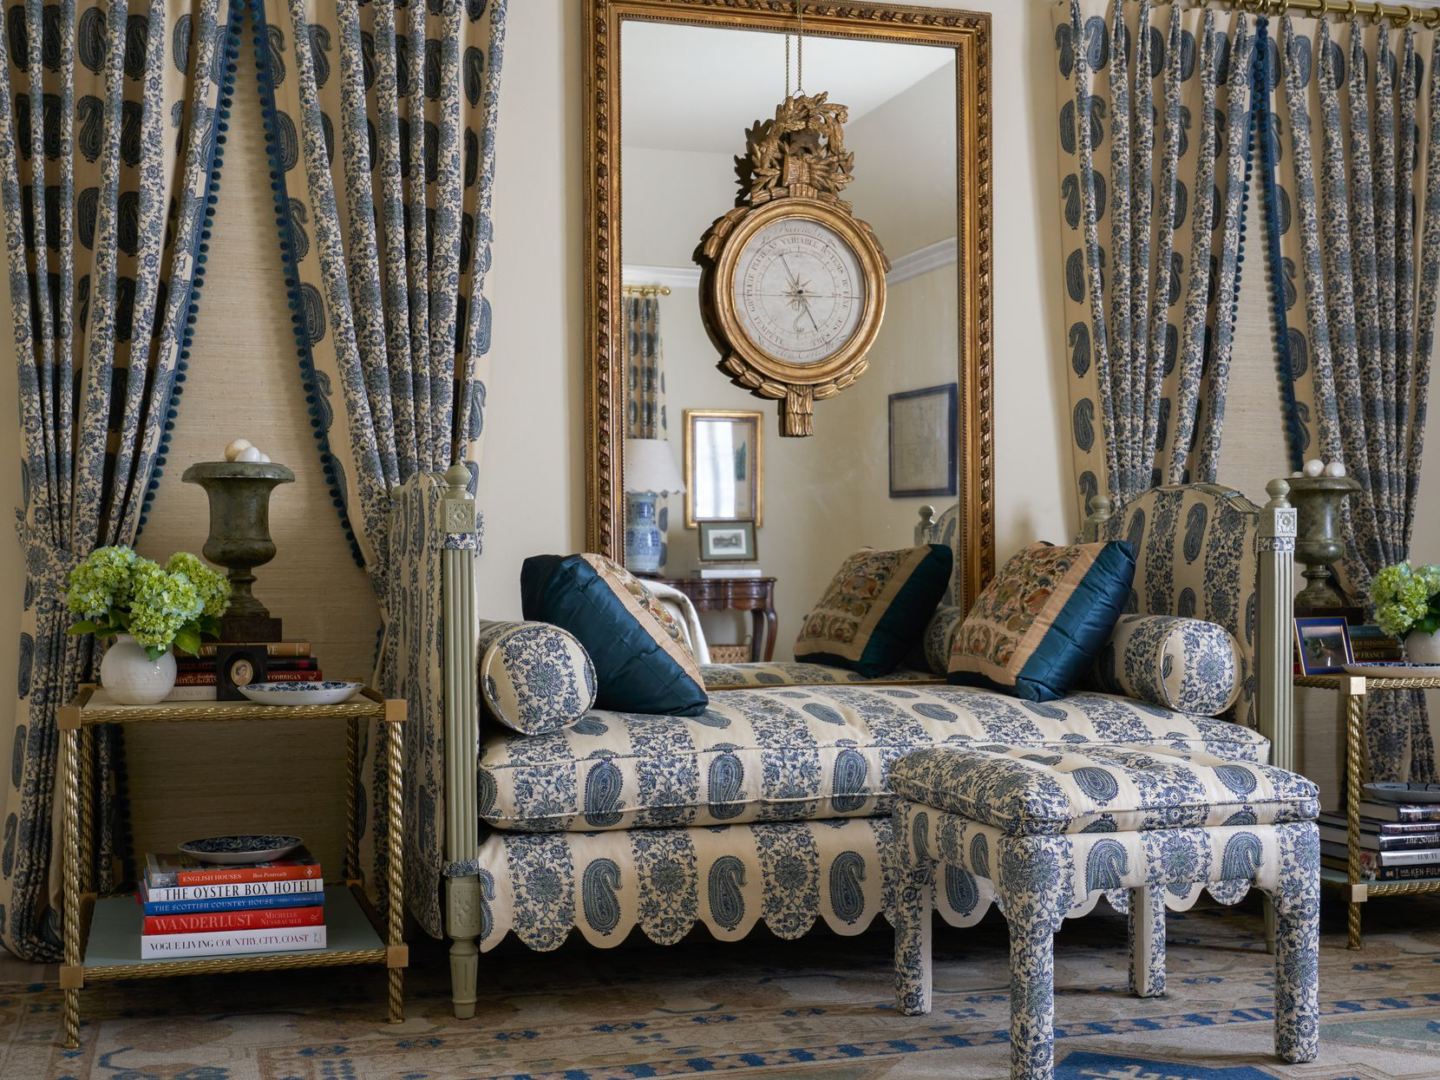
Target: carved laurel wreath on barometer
{"points": [[792, 287]]}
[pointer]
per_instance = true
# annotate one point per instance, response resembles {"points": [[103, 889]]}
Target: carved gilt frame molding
{"points": [[968, 33]]}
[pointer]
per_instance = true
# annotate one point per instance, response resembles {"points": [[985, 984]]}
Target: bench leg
{"points": [[914, 902], [462, 918], [1147, 941], [1032, 995], [1297, 945]]}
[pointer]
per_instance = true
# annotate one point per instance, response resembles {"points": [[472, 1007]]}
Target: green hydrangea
{"points": [[101, 582], [212, 586], [1402, 596], [162, 603]]}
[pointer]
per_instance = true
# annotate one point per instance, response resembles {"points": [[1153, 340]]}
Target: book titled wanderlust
{"points": [[286, 918], [168, 871], [225, 942]]}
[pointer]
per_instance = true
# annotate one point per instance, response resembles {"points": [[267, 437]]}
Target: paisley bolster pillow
{"points": [[534, 678], [940, 636], [1039, 623], [1188, 665], [875, 608], [642, 664]]}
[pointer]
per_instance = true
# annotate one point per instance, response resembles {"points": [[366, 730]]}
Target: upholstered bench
{"points": [[1043, 832]]}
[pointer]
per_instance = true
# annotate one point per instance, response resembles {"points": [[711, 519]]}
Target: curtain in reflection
{"points": [[1154, 137], [381, 125], [108, 116], [1357, 213], [644, 370]]}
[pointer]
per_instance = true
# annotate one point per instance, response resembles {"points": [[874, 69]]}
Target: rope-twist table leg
{"points": [[1354, 777], [395, 856], [70, 752]]}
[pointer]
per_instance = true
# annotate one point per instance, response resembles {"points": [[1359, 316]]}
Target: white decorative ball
{"points": [[1335, 468], [264, 458], [248, 454], [1296, 473], [233, 451], [1314, 467]]}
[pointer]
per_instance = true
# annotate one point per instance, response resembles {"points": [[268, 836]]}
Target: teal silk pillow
{"points": [[876, 608], [1038, 624], [535, 678], [641, 662]]}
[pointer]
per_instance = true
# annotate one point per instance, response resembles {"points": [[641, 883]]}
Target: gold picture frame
{"points": [[754, 465], [965, 32]]}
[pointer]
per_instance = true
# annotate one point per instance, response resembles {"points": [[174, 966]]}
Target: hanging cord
{"points": [[799, 52]]}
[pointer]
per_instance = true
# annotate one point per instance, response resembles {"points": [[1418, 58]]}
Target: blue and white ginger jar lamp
{"points": [[650, 471]]}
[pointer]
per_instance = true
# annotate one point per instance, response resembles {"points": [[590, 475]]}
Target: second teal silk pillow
{"points": [[1037, 625]]}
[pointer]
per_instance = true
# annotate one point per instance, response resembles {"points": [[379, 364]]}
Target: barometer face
{"points": [[799, 291]]}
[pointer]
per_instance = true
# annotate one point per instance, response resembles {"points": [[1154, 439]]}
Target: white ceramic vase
{"points": [[1422, 648], [131, 677]]}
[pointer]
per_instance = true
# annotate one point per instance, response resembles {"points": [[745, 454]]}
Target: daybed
{"points": [[772, 805]]}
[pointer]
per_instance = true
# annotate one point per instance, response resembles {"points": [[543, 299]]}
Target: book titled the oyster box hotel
{"points": [[196, 910]]}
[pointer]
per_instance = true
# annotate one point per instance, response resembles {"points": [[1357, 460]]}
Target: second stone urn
{"points": [[1320, 537], [239, 539]]}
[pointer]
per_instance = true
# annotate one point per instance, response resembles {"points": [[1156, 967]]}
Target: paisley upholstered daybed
{"points": [[771, 806]]}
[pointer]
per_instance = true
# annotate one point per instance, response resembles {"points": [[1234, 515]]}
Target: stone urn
{"points": [[1320, 540], [239, 537]]}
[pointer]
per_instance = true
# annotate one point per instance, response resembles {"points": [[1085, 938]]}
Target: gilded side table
{"points": [[1353, 690], [753, 594], [102, 933]]}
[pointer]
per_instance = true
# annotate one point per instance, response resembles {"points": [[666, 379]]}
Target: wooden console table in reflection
{"points": [[753, 594]]}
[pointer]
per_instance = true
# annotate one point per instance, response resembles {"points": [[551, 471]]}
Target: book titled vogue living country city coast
{"points": [[224, 942]]}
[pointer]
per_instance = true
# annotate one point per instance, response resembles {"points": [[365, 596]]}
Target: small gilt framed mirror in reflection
{"points": [[724, 466]]}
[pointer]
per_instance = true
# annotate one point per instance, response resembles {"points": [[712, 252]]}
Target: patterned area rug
{"points": [[806, 1010]]}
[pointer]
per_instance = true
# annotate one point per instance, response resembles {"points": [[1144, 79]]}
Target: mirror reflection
{"points": [[884, 446]]}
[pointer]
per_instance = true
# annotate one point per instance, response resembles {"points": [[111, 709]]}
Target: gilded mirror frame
{"points": [[968, 34]]}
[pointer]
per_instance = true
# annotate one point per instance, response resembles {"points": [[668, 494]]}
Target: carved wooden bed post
{"points": [[462, 742], [1275, 674], [1100, 513]]}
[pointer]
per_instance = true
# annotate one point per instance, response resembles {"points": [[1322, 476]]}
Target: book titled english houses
{"points": [[170, 870]]}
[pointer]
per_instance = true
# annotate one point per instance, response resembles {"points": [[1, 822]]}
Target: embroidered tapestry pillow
{"points": [[642, 664], [876, 608], [535, 678], [1039, 623], [1188, 665]]}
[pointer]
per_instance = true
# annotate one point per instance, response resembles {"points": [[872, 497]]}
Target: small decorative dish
{"points": [[1404, 793], [301, 693], [240, 850], [1401, 670]]}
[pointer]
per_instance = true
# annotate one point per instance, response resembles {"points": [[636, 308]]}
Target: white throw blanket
{"points": [[680, 606]]}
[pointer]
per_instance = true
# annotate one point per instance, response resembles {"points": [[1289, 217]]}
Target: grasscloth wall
{"points": [[243, 381]]}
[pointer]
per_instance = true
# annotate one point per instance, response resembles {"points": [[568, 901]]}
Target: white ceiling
{"points": [[700, 88]]}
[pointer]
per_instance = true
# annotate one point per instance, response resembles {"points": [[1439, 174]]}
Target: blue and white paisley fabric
{"points": [[535, 678], [939, 637], [1100, 789], [381, 120], [1042, 880], [762, 674], [108, 120], [1154, 144], [644, 370], [1197, 557], [796, 754], [1357, 213], [945, 529], [1188, 665]]}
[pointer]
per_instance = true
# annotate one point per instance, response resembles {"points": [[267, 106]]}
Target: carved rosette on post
{"points": [[239, 537], [792, 287]]}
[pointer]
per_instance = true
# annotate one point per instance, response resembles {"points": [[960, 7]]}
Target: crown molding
{"points": [[676, 277]]}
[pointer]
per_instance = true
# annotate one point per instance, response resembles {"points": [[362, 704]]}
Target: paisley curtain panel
{"points": [[644, 370], [381, 126], [1154, 150], [108, 115], [1355, 206]]}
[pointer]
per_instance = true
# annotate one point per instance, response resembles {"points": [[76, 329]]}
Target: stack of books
{"points": [[1398, 841], [287, 661], [1371, 645], [194, 909]]}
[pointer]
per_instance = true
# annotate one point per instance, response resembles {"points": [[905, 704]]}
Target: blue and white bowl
{"points": [[240, 850], [1403, 793], [301, 693]]}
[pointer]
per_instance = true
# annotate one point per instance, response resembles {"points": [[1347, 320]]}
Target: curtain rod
{"points": [[645, 290], [1400, 15]]}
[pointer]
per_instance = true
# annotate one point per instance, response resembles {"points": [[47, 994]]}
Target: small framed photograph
{"points": [[727, 541], [923, 442], [1323, 643]]}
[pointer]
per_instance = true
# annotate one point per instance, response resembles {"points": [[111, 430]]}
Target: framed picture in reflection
{"points": [[727, 541], [724, 466], [923, 447]]}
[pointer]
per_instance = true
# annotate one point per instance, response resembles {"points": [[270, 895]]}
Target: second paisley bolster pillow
{"points": [[1188, 665], [535, 678], [642, 664], [1039, 623]]}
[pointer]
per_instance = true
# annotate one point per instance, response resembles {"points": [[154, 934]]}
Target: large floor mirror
{"points": [[702, 330]]}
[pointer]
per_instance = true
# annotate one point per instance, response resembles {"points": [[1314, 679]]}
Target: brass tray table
{"points": [[102, 933]]}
